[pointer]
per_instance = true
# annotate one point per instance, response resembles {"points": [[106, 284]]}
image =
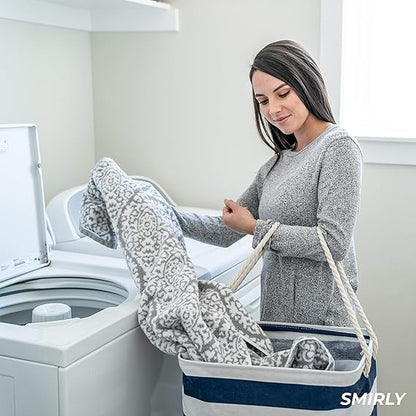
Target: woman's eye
{"points": [[285, 94], [263, 102]]}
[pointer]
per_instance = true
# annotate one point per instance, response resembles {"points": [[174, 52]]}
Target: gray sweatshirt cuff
{"points": [[260, 230]]}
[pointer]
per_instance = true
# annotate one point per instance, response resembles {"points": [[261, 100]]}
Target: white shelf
{"points": [[94, 15]]}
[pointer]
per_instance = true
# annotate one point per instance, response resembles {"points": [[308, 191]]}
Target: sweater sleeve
{"points": [[338, 194], [211, 229]]}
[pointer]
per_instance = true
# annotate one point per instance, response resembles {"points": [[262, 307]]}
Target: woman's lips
{"points": [[281, 120]]}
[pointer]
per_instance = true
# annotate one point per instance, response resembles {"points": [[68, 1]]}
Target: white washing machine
{"points": [[93, 362], [96, 362]]}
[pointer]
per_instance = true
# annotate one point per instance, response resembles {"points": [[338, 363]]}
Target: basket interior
{"points": [[346, 353]]}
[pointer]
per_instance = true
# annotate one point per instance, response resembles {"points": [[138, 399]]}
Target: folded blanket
{"points": [[199, 320]]}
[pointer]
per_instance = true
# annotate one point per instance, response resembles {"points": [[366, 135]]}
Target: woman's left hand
{"points": [[237, 217]]}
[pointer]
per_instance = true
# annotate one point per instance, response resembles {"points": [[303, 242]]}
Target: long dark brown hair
{"points": [[292, 64]]}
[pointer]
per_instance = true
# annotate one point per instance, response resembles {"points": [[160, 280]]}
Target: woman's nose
{"points": [[274, 108]]}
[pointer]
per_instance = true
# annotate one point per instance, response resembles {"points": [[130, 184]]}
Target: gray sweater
{"points": [[320, 185]]}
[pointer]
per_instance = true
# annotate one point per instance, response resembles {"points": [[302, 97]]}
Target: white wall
{"points": [[45, 78], [177, 106], [386, 249]]}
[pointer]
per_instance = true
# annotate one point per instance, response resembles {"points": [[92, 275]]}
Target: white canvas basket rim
{"points": [[279, 374]]}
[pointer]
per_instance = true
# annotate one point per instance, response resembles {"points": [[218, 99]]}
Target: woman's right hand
{"points": [[238, 218]]}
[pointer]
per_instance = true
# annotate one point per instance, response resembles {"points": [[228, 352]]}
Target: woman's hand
{"points": [[237, 217]]}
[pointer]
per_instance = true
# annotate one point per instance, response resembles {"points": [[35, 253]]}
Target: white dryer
{"points": [[96, 361]]}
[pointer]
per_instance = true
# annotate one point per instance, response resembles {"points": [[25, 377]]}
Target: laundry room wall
{"points": [[386, 248], [45, 79], [176, 106]]}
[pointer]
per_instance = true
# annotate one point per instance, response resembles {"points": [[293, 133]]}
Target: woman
{"points": [[313, 179]]}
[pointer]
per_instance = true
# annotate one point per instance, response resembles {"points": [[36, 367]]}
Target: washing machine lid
{"points": [[23, 244]]}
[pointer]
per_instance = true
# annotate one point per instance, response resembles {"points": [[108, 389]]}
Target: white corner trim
{"points": [[375, 150], [388, 151], [330, 50], [94, 15]]}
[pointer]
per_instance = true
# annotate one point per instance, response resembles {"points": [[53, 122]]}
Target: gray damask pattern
{"points": [[179, 314]]}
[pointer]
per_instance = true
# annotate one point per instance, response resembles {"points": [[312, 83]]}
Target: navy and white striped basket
{"points": [[212, 389], [219, 389]]}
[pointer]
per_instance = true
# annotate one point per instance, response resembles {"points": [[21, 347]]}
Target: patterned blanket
{"points": [[199, 320]]}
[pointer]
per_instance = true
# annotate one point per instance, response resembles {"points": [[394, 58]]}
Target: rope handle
{"points": [[359, 309], [345, 289], [344, 286], [252, 259]]}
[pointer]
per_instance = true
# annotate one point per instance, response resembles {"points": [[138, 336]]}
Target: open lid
{"points": [[23, 245]]}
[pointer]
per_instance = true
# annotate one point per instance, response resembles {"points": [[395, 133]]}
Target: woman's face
{"points": [[280, 104]]}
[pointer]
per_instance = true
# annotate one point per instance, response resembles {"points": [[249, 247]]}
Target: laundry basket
{"points": [[223, 389]]}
